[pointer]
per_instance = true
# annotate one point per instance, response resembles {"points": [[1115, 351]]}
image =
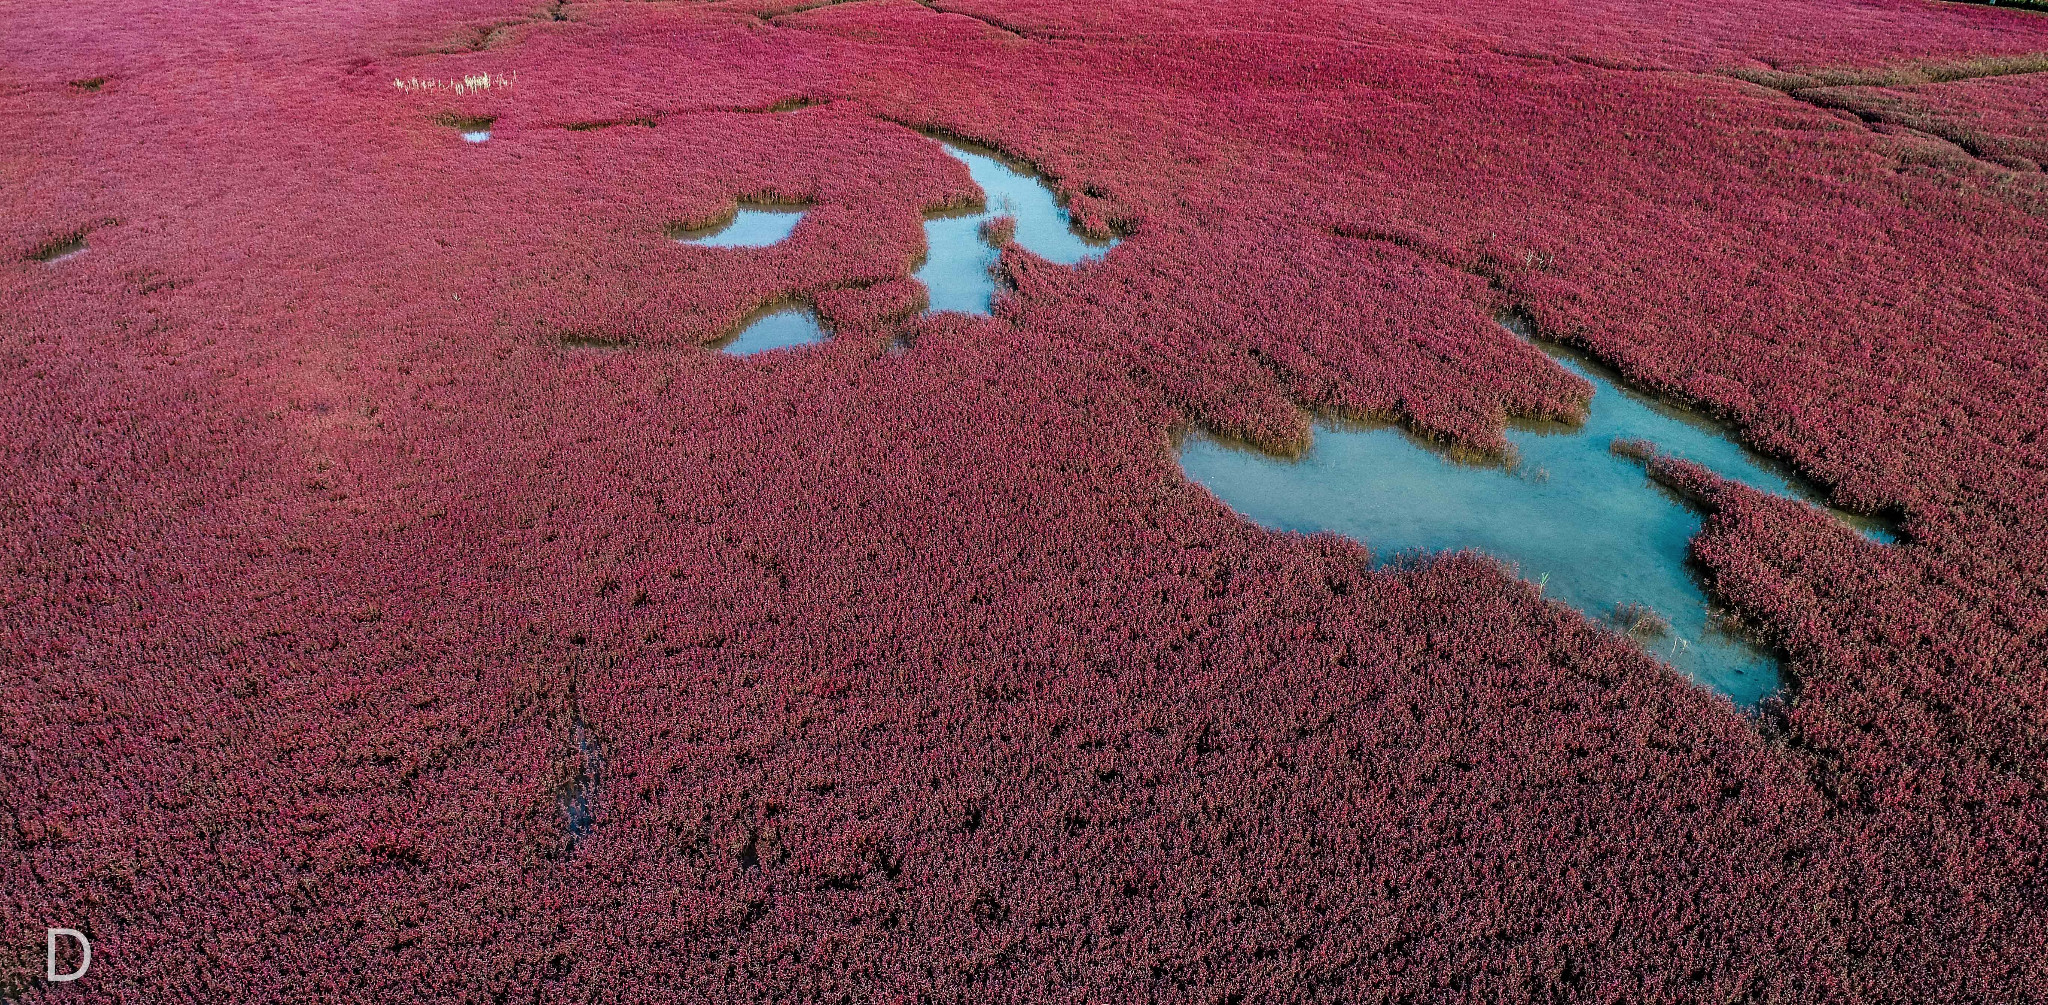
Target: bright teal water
{"points": [[779, 326], [1568, 513], [748, 228], [475, 135], [958, 258]]}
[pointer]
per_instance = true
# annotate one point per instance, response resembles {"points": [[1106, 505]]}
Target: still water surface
{"points": [[754, 226], [958, 256], [1568, 513], [62, 252], [776, 326], [959, 253]]}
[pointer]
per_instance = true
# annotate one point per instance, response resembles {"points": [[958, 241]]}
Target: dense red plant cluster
{"points": [[1994, 118], [396, 603]]}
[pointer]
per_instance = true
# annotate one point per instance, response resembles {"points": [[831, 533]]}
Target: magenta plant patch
{"points": [[404, 601]]}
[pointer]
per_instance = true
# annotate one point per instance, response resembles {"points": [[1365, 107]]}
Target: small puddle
{"points": [[62, 251], [1569, 513], [472, 128], [579, 798], [961, 247], [756, 225], [777, 326], [959, 253]]}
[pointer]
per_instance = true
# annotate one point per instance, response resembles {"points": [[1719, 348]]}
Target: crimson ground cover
{"points": [[369, 503]]}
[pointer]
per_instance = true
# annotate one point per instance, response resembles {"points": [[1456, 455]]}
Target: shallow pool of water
{"points": [[755, 226], [472, 128], [1589, 525], [958, 255], [61, 252], [777, 326]]}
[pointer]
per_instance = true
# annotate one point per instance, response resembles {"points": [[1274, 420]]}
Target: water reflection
{"points": [[1570, 514], [776, 326], [472, 128], [753, 226], [958, 255], [579, 798], [61, 252]]}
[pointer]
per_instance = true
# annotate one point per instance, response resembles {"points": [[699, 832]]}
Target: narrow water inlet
{"points": [[1682, 432], [753, 225], [959, 256], [781, 325], [961, 247], [1570, 514]]}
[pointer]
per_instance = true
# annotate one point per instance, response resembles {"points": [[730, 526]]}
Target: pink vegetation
{"points": [[335, 585]]}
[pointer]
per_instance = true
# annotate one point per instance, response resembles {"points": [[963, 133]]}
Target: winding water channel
{"points": [[1569, 513]]}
